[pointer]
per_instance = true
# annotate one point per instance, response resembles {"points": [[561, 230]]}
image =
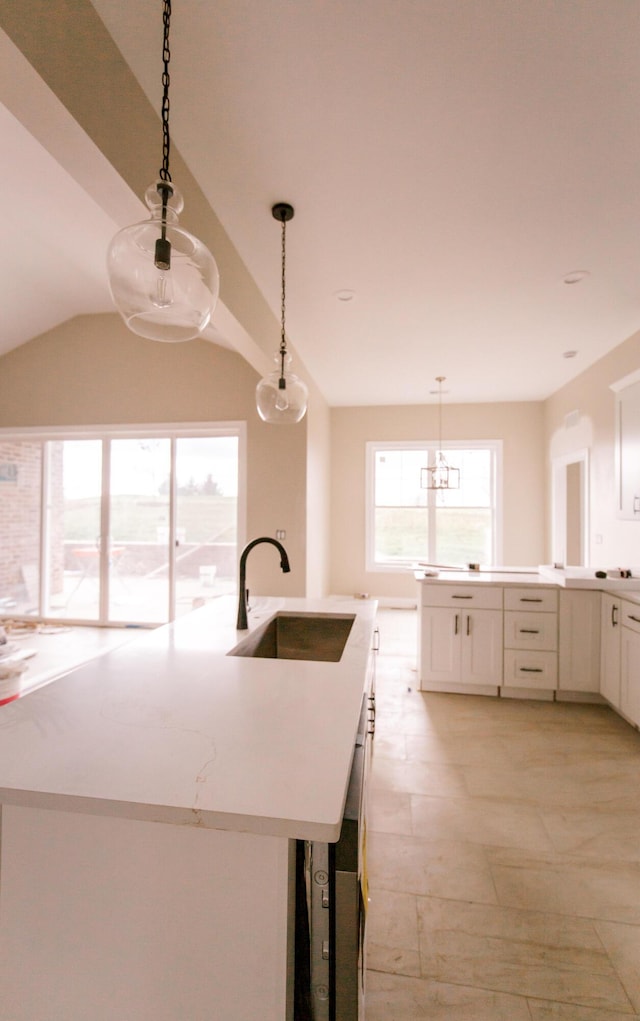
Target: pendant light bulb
{"points": [[281, 396], [282, 404], [163, 280]]}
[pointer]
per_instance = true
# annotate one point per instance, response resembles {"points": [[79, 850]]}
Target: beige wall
{"points": [[318, 492], [93, 371], [590, 404], [519, 425]]}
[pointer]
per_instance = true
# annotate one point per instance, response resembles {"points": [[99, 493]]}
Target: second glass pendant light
{"points": [[281, 396]]}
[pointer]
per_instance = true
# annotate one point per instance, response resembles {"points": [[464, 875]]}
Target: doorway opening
{"points": [[570, 509]]}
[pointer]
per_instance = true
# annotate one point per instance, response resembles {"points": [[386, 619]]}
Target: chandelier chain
{"points": [[166, 57]]}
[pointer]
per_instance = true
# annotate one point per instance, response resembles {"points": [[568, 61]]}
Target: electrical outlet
{"points": [[280, 533]]}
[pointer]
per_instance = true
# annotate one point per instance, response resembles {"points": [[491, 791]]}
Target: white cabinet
{"points": [[579, 643], [610, 648], [461, 638], [628, 444], [630, 662], [530, 642], [620, 656]]}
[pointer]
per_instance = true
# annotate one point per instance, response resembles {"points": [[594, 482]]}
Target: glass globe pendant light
{"points": [[282, 396], [164, 282]]}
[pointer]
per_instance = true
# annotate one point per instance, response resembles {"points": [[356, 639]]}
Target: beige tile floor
{"points": [[504, 854]]}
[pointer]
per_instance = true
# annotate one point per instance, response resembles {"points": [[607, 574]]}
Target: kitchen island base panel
{"points": [[115, 918]]}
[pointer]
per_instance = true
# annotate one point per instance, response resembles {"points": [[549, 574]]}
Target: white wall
{"points": [[519, 425], [582, 416]]}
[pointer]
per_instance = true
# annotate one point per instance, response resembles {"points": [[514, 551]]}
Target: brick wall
{"points": [[20, 484]]}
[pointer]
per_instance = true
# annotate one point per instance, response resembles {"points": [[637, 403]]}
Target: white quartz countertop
{"points": [[169, 728], [544, 574], [486, 576], [585, 577]]}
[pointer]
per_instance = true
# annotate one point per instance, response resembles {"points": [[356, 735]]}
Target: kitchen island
{"points": [[150, 806]]}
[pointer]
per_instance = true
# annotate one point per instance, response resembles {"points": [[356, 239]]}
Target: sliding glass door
{"points": [[206, 473], [72, 529], [119, 529], [139, 555]]}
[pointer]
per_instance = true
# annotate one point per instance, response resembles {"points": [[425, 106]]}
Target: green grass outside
{"points": [[204, 518]]}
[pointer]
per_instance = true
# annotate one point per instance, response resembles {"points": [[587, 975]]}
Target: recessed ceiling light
{"points": [[569, 354], [345, 295], [576, 276]]}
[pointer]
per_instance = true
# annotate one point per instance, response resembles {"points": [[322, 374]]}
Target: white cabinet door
{"points": [[610, 649], [627, 460], [481, 661], [460, 647], [440, 649], [579, 646], [630, 675]]}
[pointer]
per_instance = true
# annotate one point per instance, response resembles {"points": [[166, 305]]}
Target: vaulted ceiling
{"points": [[451, 164]]}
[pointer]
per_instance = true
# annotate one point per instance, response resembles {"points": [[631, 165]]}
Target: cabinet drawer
{"points": [[531, 598], [463, 597], [526, 669], [631, 615], [531, 630]]}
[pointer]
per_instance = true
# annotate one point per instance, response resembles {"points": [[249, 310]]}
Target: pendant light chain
{"points": [[166, 57], [163, 247], [283, 341]]}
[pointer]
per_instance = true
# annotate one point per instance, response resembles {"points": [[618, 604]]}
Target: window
{"points": [[125, 526], [407, 524]]}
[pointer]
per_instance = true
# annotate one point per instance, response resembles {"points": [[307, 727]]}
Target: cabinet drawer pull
{"points": [[461, 597], [529, 599], [529, 631], [531, 670], [455, 629], [468, 624], [631, 617]]}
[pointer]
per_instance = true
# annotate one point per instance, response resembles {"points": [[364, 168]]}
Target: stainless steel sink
{"points": [[288, 635]]}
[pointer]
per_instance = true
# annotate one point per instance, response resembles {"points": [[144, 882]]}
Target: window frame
{"points": [[373, 447]]}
